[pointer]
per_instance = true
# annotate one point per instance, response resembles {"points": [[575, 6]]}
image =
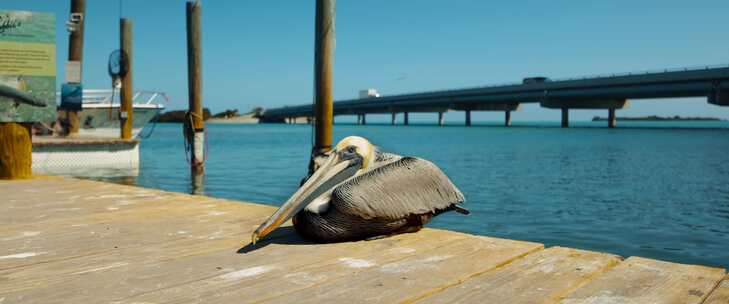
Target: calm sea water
{"points": [[659, 190]]}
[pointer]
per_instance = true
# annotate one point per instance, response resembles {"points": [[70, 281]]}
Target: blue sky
{"points": [[260, 53]]}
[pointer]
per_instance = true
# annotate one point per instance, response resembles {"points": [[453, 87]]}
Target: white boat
{"points": [[99, 117], [96, 150]]}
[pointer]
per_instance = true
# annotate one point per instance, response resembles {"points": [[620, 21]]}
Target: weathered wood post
{"points": [[15, 150], [75, 55], [468, 118], [394, 115], [194, 80], [507, 118], [323, 62], [126, 110], [611, 118], [565, 117], [440, 118]]}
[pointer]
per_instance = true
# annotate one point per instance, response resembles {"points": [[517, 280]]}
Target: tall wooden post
{"points": [[565, 117], [405, 118], [468, 118], [15, 150], [394, 115], [440, 118], [323, 62], [507, 118], [611, 118], [126, 110], [194, 86], [76, 54]]}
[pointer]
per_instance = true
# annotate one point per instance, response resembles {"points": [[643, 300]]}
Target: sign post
{"points": [[27, 85]]}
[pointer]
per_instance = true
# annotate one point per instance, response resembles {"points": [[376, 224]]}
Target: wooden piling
{"points": [[565, 117], [440, 118], [194, 78], [323, 62], [405, 118], [611, 118], [507, 118], [15, 150], [75, 54], [394, 115], [126, 110], [468, 118]]}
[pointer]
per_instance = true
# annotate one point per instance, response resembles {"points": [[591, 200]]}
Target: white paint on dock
{"points": [[24, 234], [113, 265], [356, 263], [246, 272], [111, 196], [412, 265], [405, 250], [304, 278], [20, 255]]}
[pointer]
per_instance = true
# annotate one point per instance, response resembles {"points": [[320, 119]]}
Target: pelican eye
{"points": [[349, 152]]}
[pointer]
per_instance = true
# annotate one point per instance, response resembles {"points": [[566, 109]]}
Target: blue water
{"points": [[658, 190]]}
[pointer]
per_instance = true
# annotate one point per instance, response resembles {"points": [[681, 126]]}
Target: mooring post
{"points": [[196, 129], [364, 119], [440, 118], [75, 55], [507, 118], [611, 118], [565, 117], [394, 115], [468, 118], [15, 150], [405, 118], [126, 110], [323, 62]]}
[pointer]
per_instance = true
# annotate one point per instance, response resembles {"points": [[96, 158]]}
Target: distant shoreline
{"points": [[659, 118]]}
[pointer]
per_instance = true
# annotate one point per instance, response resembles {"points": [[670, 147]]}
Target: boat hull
{"points": [[102, 121]]}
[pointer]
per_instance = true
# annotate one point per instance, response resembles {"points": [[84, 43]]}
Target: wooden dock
{"points": [[76, 241]]}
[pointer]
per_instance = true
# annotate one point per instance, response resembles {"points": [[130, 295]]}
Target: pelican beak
{"points": [[335, 170]]}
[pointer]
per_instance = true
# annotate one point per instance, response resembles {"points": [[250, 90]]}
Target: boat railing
{"points": [[112, 97]]}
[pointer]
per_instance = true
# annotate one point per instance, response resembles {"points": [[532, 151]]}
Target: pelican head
{"points": [[352, 156]]}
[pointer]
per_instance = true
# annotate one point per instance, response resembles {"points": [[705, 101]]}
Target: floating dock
{"points": [[78, 241]]}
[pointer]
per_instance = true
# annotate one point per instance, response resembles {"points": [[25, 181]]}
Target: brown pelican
{"points": [[360, 192]]}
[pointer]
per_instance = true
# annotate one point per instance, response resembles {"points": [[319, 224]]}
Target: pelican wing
{"points": [[396, 190]]}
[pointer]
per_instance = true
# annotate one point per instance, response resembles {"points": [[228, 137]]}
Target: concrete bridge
{"points": [[610, 92]]}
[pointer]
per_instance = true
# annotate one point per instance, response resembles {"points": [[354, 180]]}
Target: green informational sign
{"points": [[27, 66]]}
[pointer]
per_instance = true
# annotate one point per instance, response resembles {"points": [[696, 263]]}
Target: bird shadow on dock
{"points": [[283, 236]]}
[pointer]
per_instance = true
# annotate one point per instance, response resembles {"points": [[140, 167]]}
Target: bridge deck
{"points": [[75, 241]]}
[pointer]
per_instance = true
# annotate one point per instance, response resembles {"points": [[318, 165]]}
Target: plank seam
{"points": [[591, 278], [469, 276], [716, 286], [404, 256]]}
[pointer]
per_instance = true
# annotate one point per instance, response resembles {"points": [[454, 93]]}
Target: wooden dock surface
{"points": [[65, 240]]}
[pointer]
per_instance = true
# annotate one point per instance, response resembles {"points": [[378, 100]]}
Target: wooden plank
{"points": [[173, 274], [720, 295], [547, 275], [123, 224], [641, 280], [413, 276], [258, 274], [111, 243]]}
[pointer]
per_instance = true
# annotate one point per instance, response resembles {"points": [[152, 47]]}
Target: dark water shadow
{"points": [[283, 236]]}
